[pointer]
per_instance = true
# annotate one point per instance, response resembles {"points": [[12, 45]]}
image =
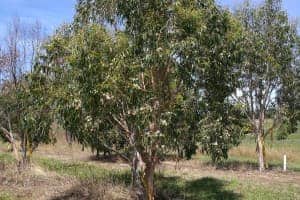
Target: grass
{"points": [[177, 187], [93, 177], [6, 158], [251, 191], [5, 195], [203, 188], [245, 152], [217, 189], [168, 186], [85, 171]]}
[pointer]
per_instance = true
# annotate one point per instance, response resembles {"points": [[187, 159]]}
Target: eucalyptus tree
{"points": [[25, 117], [268, 68], [290, 95], [138, 72]]}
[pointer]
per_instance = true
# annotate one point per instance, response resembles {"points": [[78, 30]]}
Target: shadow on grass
{"points": [[167, 188], [237, 165], [108, 158], [100, 183], [76, 192], [90, 190], [204, 188]]}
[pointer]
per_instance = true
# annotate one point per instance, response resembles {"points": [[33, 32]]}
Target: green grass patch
{"points": [[262, 192], [85, 171], [7, 158], [170, 187], [6, 196], [217, 189], [203, 188]]}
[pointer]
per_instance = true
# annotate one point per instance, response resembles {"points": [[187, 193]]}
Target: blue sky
{"points": [[291, 6], [52, 13]]}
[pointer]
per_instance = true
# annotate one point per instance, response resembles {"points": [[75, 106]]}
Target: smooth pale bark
{"points": [[142, 172], [142, 178], [136, 168]]}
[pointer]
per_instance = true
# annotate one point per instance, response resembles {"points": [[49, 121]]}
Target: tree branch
{"points": [[7, 134]]}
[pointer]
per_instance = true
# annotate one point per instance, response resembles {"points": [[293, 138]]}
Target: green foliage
{"points": [[127, 75], [25, 110], [268, 78], [36, 116], [267, 73], [218, 135], [284, 130], [8, 107]]}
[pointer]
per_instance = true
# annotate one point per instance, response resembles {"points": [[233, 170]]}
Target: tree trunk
{"points": [[142, 178], [142, 171], [137, 186], [27, 149], [260, 151], [69, 138], [9, 136], [149, 177], [148, 180], [16, 151], [261, 142]]}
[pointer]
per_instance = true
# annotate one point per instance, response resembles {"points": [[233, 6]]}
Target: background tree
{"points": [[267, 68], [289, 94], [24, 108]]}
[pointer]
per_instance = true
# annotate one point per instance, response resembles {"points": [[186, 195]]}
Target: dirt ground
{"points": [[42, 185]]}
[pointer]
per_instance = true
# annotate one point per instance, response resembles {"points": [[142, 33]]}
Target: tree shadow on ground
{"points": [[89, 190], [204, 188], [108, 158], [236, 165], [167, 188]]}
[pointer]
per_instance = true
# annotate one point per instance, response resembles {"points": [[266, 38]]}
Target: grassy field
{"points": [[276, 149], [179, 186], [170, 184], [62, 172]]}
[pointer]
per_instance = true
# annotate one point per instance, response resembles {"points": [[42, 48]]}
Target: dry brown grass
{"points": [[62, 150], [273, 154], [36, 183], [33, 183], [89, 190]]}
